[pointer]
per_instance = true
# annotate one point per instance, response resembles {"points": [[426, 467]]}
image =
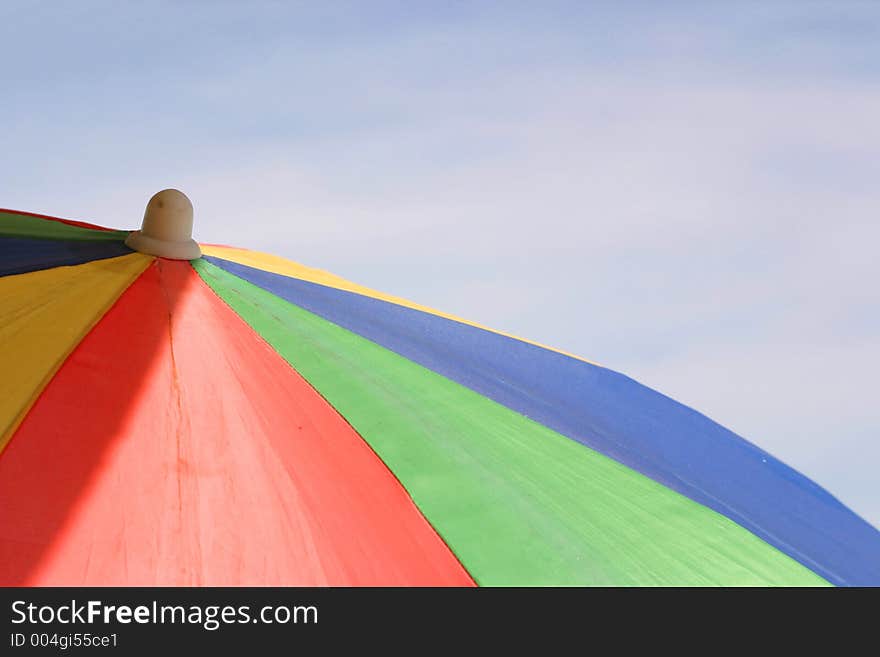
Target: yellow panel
{"points": [[278, 265], [43, 316]]}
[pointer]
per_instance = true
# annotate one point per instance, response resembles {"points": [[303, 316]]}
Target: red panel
{"points": [[175, 447]]}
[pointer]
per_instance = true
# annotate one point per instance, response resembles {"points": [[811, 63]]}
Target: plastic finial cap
{"points": [[167, 228]]}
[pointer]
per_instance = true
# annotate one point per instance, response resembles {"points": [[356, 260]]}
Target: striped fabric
{"points": [[246, 420]]}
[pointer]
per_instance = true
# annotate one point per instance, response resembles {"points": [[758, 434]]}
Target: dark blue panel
{"points": [[616, 416], [20, 255]]}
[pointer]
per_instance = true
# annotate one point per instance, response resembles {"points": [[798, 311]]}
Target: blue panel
{"points": [[21, 255], [616, 416]]}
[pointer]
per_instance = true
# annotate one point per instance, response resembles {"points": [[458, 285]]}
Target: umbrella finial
{"points": [[167, 228]]}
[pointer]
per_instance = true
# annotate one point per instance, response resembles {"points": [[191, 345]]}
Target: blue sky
{"points": [[685, 192]]}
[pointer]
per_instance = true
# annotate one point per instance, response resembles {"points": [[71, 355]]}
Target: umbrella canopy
{"points": [[243, 419]]}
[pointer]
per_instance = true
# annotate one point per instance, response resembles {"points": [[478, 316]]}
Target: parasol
{"points": [[176, 414]]}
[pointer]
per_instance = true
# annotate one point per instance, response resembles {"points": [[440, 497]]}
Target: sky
{"points": [[686, 192]]}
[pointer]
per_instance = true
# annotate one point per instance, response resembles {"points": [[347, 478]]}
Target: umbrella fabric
{"points": [[243, 419]]}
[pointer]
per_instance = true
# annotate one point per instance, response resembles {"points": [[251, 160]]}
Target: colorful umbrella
{"points": [[242, 419]]}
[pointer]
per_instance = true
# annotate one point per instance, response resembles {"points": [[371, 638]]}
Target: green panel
{"points": [[518, 503], [22, 225]]}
